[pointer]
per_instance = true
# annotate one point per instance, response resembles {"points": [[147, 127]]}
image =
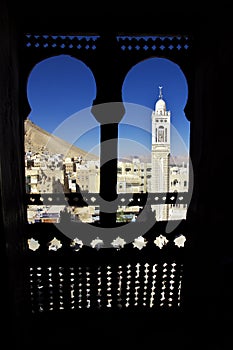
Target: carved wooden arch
{"points": [[109, 57]]}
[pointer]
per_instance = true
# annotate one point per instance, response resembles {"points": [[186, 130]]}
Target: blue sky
{"points": [[61, 90]]}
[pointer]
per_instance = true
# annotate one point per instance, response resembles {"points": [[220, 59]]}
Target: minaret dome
{"points": [[160, 104]]}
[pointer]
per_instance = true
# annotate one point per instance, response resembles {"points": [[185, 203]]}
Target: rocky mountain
{"points": [[37, 140]]}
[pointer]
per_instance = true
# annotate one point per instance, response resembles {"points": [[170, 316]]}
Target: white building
{"points": [[178, 183]]}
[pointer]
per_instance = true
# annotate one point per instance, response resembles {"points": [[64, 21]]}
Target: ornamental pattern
{"points": [[76, 244]]}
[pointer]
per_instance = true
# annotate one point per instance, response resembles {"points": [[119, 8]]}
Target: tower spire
{"points": [[160, 92]]}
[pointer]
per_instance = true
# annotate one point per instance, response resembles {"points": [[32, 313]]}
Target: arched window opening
{"points": [[154, 135], [61, 138]]}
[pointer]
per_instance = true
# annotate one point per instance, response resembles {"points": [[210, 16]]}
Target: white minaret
{"points": [[160, 154]]}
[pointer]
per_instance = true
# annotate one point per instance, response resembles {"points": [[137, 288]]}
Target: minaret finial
{"points": [[160, 92]]}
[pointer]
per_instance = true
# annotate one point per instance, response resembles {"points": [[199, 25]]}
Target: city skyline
{"points": [[61, 91]]}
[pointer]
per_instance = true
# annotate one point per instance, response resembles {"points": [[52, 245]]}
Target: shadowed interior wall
{"points": [[209, 257]]}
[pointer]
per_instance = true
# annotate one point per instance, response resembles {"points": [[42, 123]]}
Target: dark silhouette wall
{"points": [[208, 293]]}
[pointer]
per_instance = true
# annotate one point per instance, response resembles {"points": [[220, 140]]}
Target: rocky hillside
{"points": [[38, 140]]}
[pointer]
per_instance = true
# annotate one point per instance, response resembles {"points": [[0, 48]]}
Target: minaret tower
{"points": [[160, 154]]}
